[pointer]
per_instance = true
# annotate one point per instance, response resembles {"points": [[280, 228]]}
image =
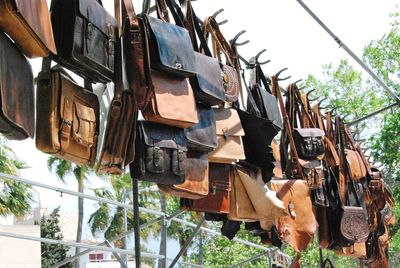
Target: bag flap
{"points": [[309, 132], [209, 76], [357, 167], [204, 132], [354, 224], [220, 176], [37, 16], [99, 17], [271, 108], [16, 87], [311, 164], [228, 122], [85, 112], [174, 45], [163, 136]]}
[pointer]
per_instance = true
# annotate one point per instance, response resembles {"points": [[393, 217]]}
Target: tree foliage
{"points": [[49, 228]]}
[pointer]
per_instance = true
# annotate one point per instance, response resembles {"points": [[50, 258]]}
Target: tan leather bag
{"points": [[196, 179], [357, 250], [241, 208], [28, 24], [229, 135], [357, 167], [265, 202], [66, 118], [172, 102], [299, 226]]}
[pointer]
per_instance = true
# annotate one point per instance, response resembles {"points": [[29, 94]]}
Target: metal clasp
{"points": [[178, 66], [89, 30]]}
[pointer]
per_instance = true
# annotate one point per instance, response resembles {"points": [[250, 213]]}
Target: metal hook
{"points": [[344, 117], [333, 112], [233, 41], [216, 13], [258, 56], [298, 81], [321, 101], [279, 73], [309, 92], [244, 61]]}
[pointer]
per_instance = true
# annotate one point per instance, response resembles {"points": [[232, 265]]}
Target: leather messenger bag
{"points": [[86, 37], [28, 24], [17, 106], [67, 117]]}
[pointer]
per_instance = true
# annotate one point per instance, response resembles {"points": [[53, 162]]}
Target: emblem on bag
{"points": [[225, 79]]}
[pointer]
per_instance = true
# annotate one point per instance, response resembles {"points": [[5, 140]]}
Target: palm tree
{"points": [[15, 197], [62, 169]]}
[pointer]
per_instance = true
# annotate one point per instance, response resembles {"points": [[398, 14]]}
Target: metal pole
{"points": [[125, 227], [119, 259], [321, 258], [351, 53], [163, 240], [187, 243], [136, 221], [355, 122], [255, 257]]}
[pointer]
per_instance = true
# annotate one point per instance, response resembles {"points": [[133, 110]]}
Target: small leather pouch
{"points": [[309, 142], [353, 224]]}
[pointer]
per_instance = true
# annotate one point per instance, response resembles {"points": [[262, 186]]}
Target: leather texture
{"points": [[172, 102], [299, 226], [67, 118], [357, 250], [196, 178], [160, 154], [86, 38], [231, 83], [229, 135], [202, 136], [358, 170], [218, 198], [309, 142], [171, 48], [17, 111], [259, 133], [241, 207], [266, 204], [353, 224], [28, 24], [207, 83]]}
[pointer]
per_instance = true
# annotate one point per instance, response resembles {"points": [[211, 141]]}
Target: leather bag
{"points": [[172, 102], [309, 142], [86, 37], [266, 204], [28, 24], [67, 117], [229, 135], [218, 198], [202, 136], [357, 168], [160, 154], [17, 106], [299, 226], [196, 178]]}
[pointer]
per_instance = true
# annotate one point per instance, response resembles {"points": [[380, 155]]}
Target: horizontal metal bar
{"points": [[356, 121], [75, 244], [255, 257]]}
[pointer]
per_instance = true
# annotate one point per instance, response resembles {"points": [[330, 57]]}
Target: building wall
{"points": [[18, 253]]}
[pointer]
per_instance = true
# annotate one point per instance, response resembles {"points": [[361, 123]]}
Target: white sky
{"points": [[293, 39]]}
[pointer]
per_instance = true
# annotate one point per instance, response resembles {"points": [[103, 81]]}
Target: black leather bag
{"points": [[160, 154], [266, 103], [202, 136], [86, 36], [17, 106], [309, 142], [170, 48]]}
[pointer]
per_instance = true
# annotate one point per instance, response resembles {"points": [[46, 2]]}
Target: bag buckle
{"points": [[110, 47], [89, 30], [66, 122], [178, 66]]}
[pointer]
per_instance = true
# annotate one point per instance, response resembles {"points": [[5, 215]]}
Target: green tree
{"points": [[63, 168], [49, 228], [15, 197]]}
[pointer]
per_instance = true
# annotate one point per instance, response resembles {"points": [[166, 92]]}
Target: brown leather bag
{"points": [[229, 135], [28, 24], [218, 198], [299, 226], [196, 178], [358, 170], [17, 102], [67, 117], [172, 102], [357, 250]]}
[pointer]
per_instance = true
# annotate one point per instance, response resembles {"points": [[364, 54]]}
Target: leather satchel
{"points": [[160, 154], [358, 170], [309, 142], [218, 198], [229, 135], [299, 226], [202, 136], [266, 204], [17, 106], [172, 102], [28, 24], [196, 178], [67, 117], [86, 37]]}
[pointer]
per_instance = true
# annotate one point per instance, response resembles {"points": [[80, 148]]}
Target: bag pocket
{"points": [[178, 162], [83, 125], [155, 159]]}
